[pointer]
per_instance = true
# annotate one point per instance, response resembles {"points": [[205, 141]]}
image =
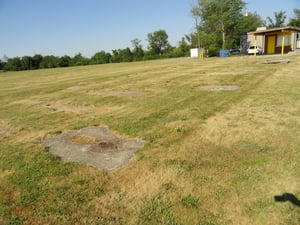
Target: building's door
{"points": [[271, 44], [298, 40]]}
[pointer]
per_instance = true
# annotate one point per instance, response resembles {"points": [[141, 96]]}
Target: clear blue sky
{"points": [[68, 27]]}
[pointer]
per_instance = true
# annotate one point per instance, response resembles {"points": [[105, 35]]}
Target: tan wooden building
{"points": [[279, 40]]}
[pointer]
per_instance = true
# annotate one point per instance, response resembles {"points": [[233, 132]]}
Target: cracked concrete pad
{"points": [[95, 146]]}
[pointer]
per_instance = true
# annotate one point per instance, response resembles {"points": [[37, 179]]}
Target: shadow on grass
{"points": [[287, 197]]}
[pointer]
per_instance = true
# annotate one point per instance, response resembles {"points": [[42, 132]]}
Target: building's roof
{"points": [[277, 29]]}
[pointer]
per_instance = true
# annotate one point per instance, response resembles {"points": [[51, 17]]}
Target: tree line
{"points": [[218, 25], [159, 47]]}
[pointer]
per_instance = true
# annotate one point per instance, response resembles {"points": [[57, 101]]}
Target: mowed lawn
{"points": [[210, 158]]}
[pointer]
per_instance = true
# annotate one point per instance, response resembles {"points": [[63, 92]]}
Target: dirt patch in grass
{"points": [[74, 88], [95, 146], [117, 93], [66, 107], [77, 87], [277, 61], [217, 88], [5, 130]]}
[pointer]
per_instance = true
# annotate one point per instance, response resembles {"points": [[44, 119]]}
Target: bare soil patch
{"points": [[117, 93], [78, 86], [277, 61], [217, 88], [66, 107], [5, 130], [95, 146], [74, 88]]}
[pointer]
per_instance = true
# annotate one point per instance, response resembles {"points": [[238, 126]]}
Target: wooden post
{"points": [[255, 47], [282, 44]]}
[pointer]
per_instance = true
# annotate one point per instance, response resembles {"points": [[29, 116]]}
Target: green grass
{"points": [[210, 157]]}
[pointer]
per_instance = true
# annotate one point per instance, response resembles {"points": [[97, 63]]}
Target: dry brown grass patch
{"points": [[66, 107], [217, 88], [117, 93], [5, 129]]}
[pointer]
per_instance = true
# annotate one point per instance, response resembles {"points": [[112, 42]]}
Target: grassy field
{"points": [[210, 158]]}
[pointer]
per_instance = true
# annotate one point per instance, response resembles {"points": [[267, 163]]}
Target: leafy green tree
{"points": [[219, 19], [184, 47], [2, 64], [26, 63], [158, 42], [137, 52], [64, 61], [13, 64], [182, 50], [36, 61], [49, 62], [122, 55], [126, 55], [101, 58], [249, 23], [295, 22], [279, 20], [116, 58], [79, 60]]}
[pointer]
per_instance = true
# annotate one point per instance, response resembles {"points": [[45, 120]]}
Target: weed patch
{"points": [[190, 201], [156, 211]]}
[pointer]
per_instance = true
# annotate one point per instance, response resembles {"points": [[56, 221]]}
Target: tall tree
{"points": [[26, 63], [13, 64], [64, 61], [295, 22], [279, 19], [137, 52], [195, 39], [121, 55], [101, 58], [79, 60], [184, 47], [219, 18], [49, 61], [158, 42], [126, 55], [249, 23], [2, 64], [116, 57], [36, 61]]}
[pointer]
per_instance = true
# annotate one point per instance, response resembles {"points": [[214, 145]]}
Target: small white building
{"points": [[198, 53], [194, 52]]}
